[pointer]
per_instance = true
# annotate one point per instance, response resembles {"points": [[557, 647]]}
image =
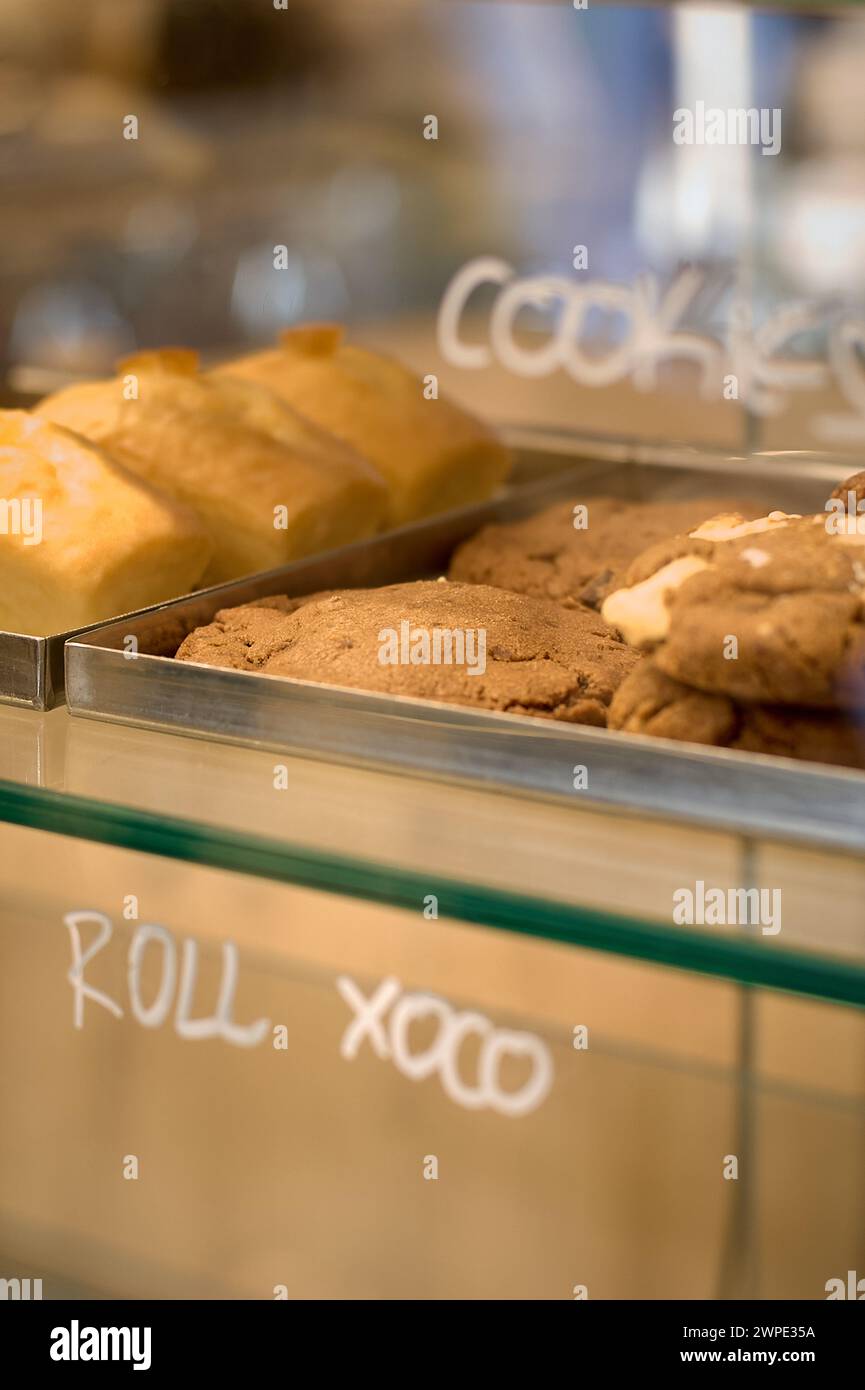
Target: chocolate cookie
{"points": [[462, 644], [769, 611], [548, 556], [650, 702], [854, 485]]}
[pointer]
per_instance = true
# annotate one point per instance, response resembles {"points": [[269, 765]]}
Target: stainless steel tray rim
{"points": [[524, 725]]}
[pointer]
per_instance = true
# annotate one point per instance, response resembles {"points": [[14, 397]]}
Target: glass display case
{"points": [[306, 998]]}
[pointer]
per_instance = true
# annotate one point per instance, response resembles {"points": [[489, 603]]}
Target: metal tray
{"points": [[32, 669], [741, 791]]}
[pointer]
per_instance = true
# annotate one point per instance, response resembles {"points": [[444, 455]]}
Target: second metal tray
{"points": [[139, 683]]}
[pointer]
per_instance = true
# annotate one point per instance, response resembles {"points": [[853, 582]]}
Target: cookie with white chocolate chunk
{"points": [[770, 611], [574, 552], [651, 703], [854, 485]]}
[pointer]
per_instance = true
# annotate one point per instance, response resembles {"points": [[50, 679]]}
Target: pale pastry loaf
{"points": [[433, 455], [269, 487], [82, 540]]}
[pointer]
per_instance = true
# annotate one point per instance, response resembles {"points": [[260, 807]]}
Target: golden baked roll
{"points": [[432, 454], [269, 486], [82, 540]]}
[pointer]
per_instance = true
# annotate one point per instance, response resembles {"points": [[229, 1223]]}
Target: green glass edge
{"points": [[745, 960]]}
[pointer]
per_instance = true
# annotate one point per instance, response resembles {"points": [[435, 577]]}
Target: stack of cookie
{"points": [[754, 634]]}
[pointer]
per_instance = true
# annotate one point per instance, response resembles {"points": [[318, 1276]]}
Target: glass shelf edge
{"points": [[743, 961]]}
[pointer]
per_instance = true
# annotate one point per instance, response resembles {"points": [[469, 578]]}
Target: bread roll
{"points": [[269, 487], [82, 540], [433, 455]]}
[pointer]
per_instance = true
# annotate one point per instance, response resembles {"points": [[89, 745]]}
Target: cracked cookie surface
{"points": [[771, 611], [650, 702], [547, 557], [539, 659]]}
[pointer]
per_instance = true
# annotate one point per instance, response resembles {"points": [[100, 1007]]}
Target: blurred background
{"points": [[302, 126]]}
